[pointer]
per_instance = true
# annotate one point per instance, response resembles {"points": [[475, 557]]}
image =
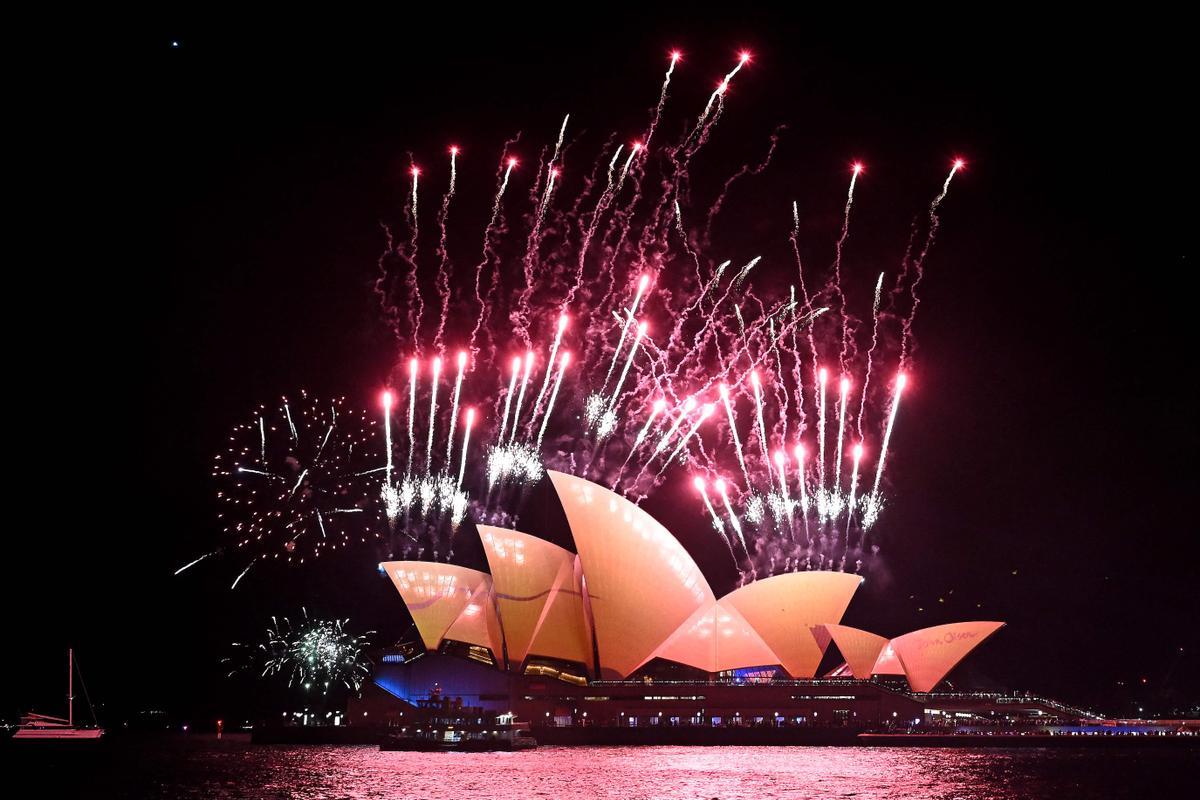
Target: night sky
{"points": [[206, 221]]}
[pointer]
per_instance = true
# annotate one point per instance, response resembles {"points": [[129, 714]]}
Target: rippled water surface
{"points": [[232, 768]]}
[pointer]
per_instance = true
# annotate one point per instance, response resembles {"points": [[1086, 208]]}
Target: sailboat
{"points": [[42, 726]]}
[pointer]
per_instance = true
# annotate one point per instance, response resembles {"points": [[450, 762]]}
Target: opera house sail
{"points": [[621, 629]]}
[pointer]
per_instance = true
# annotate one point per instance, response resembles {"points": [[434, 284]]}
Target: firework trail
{"points": [[705, 412], [416, 303], [800, 453], [537, 402], [858, 451], [195, 561], [241, 575], [412, 412], [704, 123], [918, 265], [797, 365], [862, 405], [611, 164], [633, 151], [641, 332], [856, 170], [593, 225], [702, 487], [676, 56], [659, 406], [822, 376], [873, 499], [688, 406], [552, 171], [470, 420], [843, 393], [512, 387], [387, 437], [458, 380], [756, 382], [737, 442], [521, 394], [530, 262], [643, 282], [566, 359], [553, 176], [781, 396], [733, 517], [484, 310], [781, 465], [808, 305], [443, 276]]}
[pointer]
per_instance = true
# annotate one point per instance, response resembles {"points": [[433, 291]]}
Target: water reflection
{"points": [[198, 767]]}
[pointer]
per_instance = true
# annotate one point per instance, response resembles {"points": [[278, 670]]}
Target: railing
{"points": [[1003, 697], [738, 682]]}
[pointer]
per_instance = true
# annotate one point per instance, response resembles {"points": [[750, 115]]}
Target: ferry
{"points": [[442, 725]]}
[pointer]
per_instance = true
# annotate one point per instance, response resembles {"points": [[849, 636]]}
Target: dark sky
{"points": [[205, 226]]}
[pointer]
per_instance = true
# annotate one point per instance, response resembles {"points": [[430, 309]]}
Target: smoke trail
{"points": [[746, 170], [382, 286]]}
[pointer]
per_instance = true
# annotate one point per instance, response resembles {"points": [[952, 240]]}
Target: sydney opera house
{"points": [[626, 631]]}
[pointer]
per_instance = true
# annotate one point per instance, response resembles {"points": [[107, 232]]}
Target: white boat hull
{"points": [[59, 734]]}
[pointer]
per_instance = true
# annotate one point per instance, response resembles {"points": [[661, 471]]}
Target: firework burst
{"points": [[315, 654], [293, 482]]}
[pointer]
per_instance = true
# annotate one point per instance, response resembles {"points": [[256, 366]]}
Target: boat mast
{"points": [[71, 687]]}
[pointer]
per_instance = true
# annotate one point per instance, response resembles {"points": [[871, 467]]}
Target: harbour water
{"points": [[205, 767]]}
